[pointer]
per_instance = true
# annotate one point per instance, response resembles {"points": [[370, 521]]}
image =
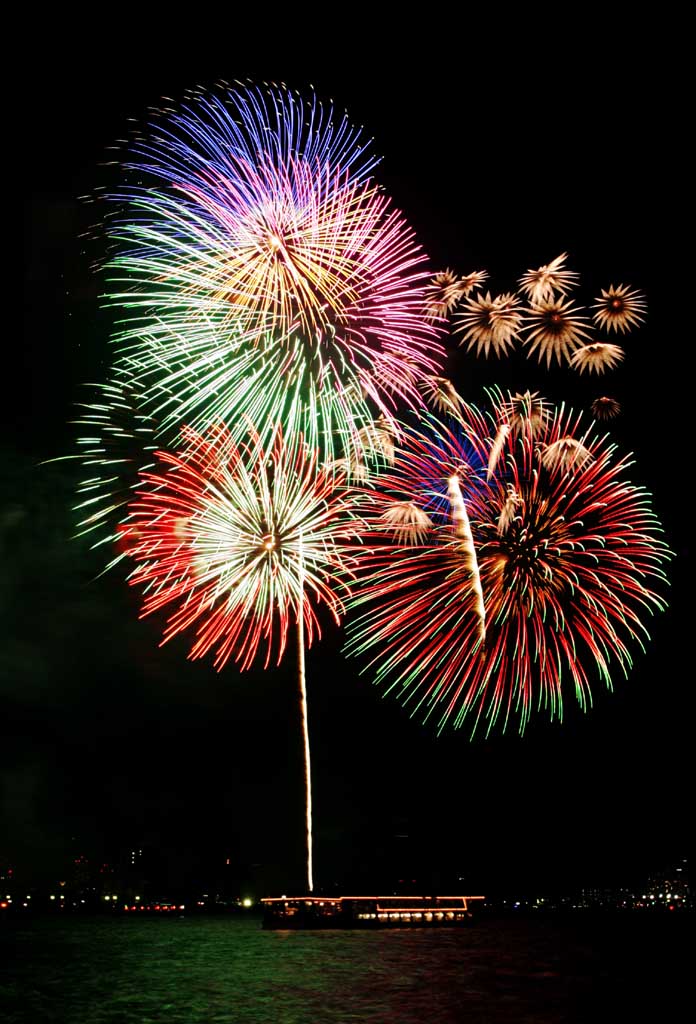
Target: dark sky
{"points": [[503, 146]]}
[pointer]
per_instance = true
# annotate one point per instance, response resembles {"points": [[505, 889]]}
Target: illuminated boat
{"points": [[367, 911]]}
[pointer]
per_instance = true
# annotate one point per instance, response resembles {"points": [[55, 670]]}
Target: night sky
{"points": [[503, 151]]}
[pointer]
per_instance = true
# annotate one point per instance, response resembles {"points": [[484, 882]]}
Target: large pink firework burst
{"points": [[569, 560], [238, 541]]}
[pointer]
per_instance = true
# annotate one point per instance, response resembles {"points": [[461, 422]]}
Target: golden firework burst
{"points": [[442, 395], [596, 357], [490, 323], [446, 290], [525, 411], [605, 408], [565, 454], [513, 502], [409, 523], [542, 284], [619, 308], [555, 329]]}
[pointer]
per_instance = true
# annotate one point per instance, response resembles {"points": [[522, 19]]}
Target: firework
{"points": [[619, 308], [596, 357], [441, 394], [565, 454], [570, 561], [446, 290], [409, 523], [116, 441], [605, 408], [490, 323], [262, 260], [522, 412], [513, 502], [525, 412], [555, 328], [542, 285], [238, 541]]}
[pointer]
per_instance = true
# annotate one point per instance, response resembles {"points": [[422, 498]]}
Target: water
{"points": [[229, 971]]}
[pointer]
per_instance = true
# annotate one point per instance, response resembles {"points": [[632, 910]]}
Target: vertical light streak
{"points": [[462, 529], [304, 718]]}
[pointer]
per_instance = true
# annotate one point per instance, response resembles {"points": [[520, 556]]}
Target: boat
{"points": [[285, 912]]}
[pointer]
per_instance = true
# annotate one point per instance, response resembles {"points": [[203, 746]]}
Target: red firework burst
{"points": [[238, 539], [566, 559]]}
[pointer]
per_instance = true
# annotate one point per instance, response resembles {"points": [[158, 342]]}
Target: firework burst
{"points": [[525, 412], [605, 408], [442, 395], [619, 309], [259, 257], [596, 357], [554, 329], [544, 283], [241, 540], [490, 323], [569, 560]]}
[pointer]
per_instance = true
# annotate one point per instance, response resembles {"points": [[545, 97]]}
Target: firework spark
{"points": [[619, 308], [567, 574]]}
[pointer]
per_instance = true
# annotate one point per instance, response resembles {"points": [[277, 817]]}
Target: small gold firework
{"points": [[470, 281], [490, 323], [565, 454], [542, 284], [619, 309], [442, 395], [605, 408], [409, 523], [555, 328], [596, 357], [446, 290]]}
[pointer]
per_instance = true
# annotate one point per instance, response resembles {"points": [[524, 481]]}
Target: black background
{"points": [[504, 143]]}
